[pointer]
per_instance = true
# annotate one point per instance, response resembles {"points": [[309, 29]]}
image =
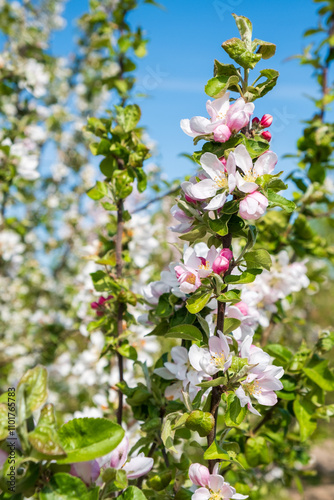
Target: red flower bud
{"points": [[266, 121], [266, 135], [255, 120]]}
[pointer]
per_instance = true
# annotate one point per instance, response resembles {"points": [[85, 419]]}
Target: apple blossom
{"points": [[198, 125], [135, 467], [99, 305], [253, 206], [184, 219], [213, 359], [239, 114], [213, 486], [188, 278], [87, 471], [222, 133], [245, 180], [221, 180]]}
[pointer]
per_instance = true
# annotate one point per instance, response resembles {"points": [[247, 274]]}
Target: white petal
{"points": [[212, 165], [200, 125], [185, 126], [243, 159], [216, 202], [203, 189], [266, 163], [164, 373]]}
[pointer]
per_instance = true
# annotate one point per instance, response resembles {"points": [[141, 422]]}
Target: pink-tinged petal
{"points": [[87, 471], [231, 164], [204, 189], [119, 455], [243, 159], [270, 384], [185, 126], [224, 343], [212, 165], [199, 474], [216, 482], [222, 133], [239, 496], [179, 354], [138, 466], [227, 491], [174, 391], [216, 346], [217, 202], [245, 347], [219, 107], [232, 182], [195, 355], [245, 186], [275, 371], [266, 398], [252, 409], [200, 125], [265, 164], [201, 494], [212, 254], [240, 393]]}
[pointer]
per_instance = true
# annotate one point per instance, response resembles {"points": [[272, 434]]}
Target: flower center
{"points": [[253, 388], [218, 359], [205, 265], [221, 180], [191, 278], [215, 496], [251, 176]]}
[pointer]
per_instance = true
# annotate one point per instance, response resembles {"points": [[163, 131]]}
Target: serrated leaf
{"points": [[245, 277], [32, 391], [237, 50], [276, 200], [231, 324], [196, 302], [44, 438], [99, 191], [218, 85]]}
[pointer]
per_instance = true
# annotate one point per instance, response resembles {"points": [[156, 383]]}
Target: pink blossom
{"points": [[266, 135], [119, 455], [213, 486], [216, 358], [198, 125], [199, 474], [253, 206], [99, 305], [266, 121], [246, 179], [239, 114], [243, 307], [135, 467], [184, 219], [87, 471], [188, 278], [222, 133]]}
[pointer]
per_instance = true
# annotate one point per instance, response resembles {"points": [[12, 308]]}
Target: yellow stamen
{"points": [[191, 279]]}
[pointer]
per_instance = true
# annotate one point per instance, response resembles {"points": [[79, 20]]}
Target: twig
{"points": [[119, 268], [154, 200]]}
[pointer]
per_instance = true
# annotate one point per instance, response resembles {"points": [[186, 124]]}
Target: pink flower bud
{"points": [[220, 264], [222, 160], [227, 253], [266, 121], [266, 135], [120, 454], [87, 471], [255, 120], [221, 133], [253, 206], [189, 200], [199, 474], [243, 307]]}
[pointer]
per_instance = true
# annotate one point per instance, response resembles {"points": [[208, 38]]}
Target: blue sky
{"points": [[185, 38]]}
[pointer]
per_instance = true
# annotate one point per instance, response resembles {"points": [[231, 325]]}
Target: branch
{"points": [[154, 200], [120, 310]]}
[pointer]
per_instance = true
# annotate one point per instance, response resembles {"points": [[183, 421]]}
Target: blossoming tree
{"points": [[225, 407]]}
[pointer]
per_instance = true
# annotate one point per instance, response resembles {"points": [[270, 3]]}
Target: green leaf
{"points": [[276, 200], [107, 167], [197, 301], [266, 49], [99, 191], [278, 351], [304, 411], [3, 421], [129, 116], [32, 391], [231, 324], [317, 370], [185, 332], [235, 413], [255, 147], [257, 451], [220, 226], [200, 421], [196, 234], [215, 382], [245, 29], [215, 452], [218, 85], [221, 69], [258, 258], [237, 50], [63, 486], [232, 296], [132, 493], [84, 439], [245, 277], [164, 307], [271, 76], [44, 438], [128, 351]]}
